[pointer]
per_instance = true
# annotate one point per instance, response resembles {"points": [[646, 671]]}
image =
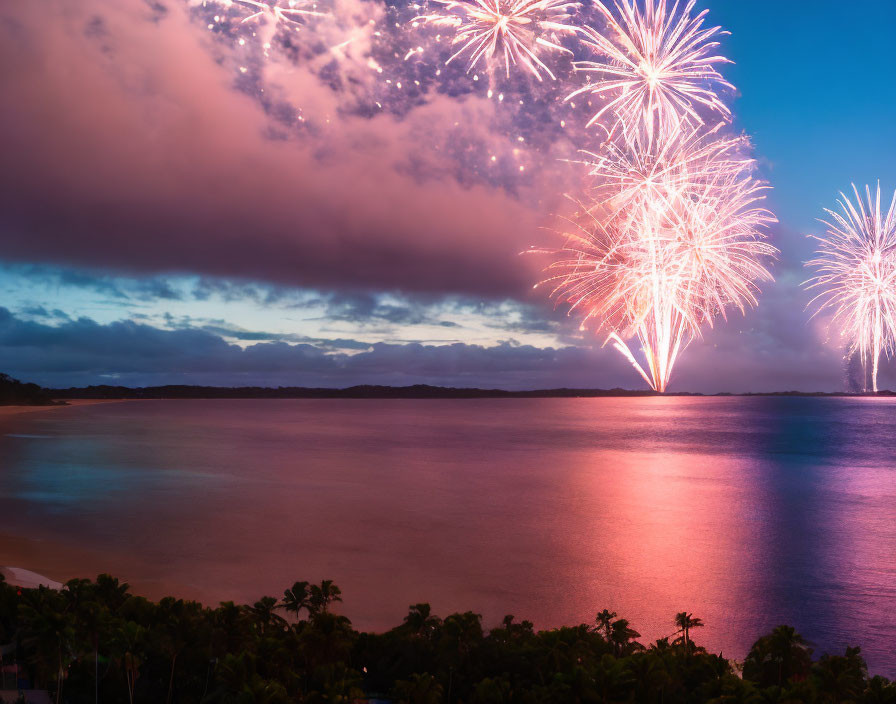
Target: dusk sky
{"points": [[177, 207]]}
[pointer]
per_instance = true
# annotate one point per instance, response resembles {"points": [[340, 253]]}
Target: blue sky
{"points": [[161, 187], [818, 96]]}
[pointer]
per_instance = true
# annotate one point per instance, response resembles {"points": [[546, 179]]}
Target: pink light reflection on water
{"points": [[747, 511]]}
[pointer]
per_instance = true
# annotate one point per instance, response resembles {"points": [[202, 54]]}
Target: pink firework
{"points": [[856, 279], [655, 68], [661, 250], [519, 32]]}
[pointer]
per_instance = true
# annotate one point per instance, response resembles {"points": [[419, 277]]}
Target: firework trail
{"points": [[291, 13], [628, 173], [264, 18], [656, 69], [517, 30], [671, 232], [856, 279], [657, 254]]}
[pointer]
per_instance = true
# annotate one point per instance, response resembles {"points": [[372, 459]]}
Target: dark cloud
{"points": [[81, 352], [38, 311], [365, 308], [236, 290], [152, 288]]}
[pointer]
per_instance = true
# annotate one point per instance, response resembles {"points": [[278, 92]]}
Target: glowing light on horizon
{"points": [[856, 264], [671, 232], [683, 245], [517, 30], [654, 69]]}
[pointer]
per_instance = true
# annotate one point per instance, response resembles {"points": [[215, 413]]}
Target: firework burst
{"points": [[628, 173], [856, 279], [656, 70], [517, 31], [684, 244]]}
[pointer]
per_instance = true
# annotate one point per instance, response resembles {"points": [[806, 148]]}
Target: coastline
{"points": [[7, 412], [20, 577]]}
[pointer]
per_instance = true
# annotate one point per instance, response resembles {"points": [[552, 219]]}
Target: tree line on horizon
{"points": [[94, 641], [14, 392]]}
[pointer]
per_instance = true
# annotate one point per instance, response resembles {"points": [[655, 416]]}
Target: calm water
{"points": [[747, 511]]}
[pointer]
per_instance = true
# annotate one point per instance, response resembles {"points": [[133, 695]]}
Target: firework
{"points": [[519, 31], [627, 172], [656, 69], [659, 259], [856, 279], [291, 13]]}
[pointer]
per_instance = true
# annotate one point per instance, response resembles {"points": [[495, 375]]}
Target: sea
{"points": [[748, 512]]}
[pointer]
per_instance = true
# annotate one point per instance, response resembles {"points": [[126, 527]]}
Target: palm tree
{"points": [[262, 612], [420, 621], [621, 636], [459, 635], [613, 679], [792, 652], [173, 628], [604, 622], [842, 677], [685, 623], [131, 636], [880, 691], [777, 657], [91, 617], [295, 599], [110, 592], [320, 597], [51, 628]]}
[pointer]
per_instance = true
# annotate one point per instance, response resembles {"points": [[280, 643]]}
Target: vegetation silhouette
{"points": [[94, 641], [17, 393]]}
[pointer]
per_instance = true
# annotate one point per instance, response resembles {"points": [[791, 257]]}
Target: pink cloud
{"points": [[125, 146]]}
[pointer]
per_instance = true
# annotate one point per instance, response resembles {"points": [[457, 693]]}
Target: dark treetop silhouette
{"points": [[94, 641]]}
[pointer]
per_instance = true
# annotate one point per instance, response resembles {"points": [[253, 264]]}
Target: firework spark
{"points": [[292, 13], [518, 30], [856, 264], [657, 69], [628, 172], [683, 245]]}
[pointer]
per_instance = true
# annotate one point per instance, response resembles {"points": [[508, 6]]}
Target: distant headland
{"points": [[417, 391], [13, 392], [16, 393]]}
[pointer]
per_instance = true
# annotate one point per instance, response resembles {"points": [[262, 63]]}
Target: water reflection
{"points": [[746, 511]]}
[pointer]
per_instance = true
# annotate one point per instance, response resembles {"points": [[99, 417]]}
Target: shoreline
{"points": [[21, 577], [11, 411]]}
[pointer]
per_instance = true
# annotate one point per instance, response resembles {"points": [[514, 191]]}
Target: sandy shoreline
{"points": [[7, 412], [20, 577]]}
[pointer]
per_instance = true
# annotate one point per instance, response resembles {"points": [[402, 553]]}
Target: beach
{"points": [[8, 412]]}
